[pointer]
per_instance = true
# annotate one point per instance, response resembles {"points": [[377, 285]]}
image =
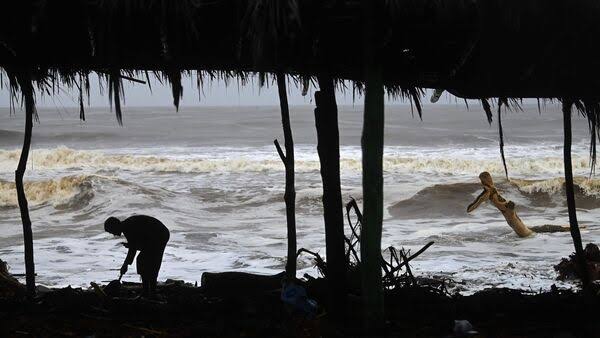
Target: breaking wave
{"points": [[451, 200], [57, 192], [584, 185], [66, 158]]}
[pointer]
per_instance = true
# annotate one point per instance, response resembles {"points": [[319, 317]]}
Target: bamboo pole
{"points": [[328, 147], [290, 191], [574, 226], [372, 179], [27, 90]]}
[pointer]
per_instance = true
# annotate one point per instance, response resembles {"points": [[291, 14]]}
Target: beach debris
{"points": [[463, 328], [98, 290], [9, 285], [396, 269], [296, 297], [239, 283], [113, 289], [568, 269], [508, 209]]}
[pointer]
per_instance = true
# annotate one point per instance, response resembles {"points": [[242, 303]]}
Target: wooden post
{"points": [[27, 89], [372, 178], [574, 226], [328, 146], [290, 191]]}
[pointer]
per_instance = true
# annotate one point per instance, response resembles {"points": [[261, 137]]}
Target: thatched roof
{"points": [[473, 48]]}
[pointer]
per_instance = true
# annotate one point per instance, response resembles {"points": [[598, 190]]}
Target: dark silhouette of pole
{"points": [[328, 147], [27, 89], [501, 136], [573, 225], [290, 191], [372, 177]]}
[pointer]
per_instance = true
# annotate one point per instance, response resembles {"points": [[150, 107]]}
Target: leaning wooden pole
{"points": [[328, 147], [574, 226], [372, 180], [290, 191], [27, 89]]}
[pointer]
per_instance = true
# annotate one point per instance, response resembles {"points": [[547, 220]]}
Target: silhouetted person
{"points": [[147, 235]]}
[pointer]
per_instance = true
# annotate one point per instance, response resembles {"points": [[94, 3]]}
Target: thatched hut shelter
{"points": [[482, 49], [472, 48]]}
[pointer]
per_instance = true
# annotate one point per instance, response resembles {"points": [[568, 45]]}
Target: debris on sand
{"points": [[568, 269], [9, 285]]}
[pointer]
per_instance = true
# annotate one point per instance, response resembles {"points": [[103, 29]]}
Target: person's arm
{"points": [[130, 256], [128, 260]]}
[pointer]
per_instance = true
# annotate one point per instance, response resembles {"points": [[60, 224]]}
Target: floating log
{"points": [[507, 208]]}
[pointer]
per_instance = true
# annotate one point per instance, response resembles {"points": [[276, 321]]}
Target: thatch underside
{"points": [[472, 48], [502, 50]]}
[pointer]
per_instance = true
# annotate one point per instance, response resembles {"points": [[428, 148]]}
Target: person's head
{"points": [[113, 225]]}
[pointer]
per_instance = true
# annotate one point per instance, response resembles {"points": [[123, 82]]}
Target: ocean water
{"points": [[212, 175]]}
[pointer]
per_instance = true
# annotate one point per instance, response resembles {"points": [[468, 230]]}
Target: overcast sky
{"points": [[214, 94]]}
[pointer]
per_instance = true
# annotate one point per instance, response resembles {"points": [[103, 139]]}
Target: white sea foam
{"points": [[589, 186], [443, 163], [226, 212]]}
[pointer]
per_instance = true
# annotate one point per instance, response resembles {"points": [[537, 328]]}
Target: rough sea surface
{"points": [[212, 175]]}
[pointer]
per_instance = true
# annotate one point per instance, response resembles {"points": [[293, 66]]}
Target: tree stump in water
{"points": [[507, 208]]}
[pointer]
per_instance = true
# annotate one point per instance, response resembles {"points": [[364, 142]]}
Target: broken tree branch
{"points": [[405, 262]]}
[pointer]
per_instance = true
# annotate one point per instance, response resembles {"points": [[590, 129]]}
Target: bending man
{"points": [[147, 235]]}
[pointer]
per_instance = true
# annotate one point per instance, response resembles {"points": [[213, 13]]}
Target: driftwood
{"points": [[9, 285], [568, 268], [237, 283], [507, 208]]}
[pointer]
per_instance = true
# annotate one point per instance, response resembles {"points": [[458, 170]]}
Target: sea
{"points": [[213, 177]]}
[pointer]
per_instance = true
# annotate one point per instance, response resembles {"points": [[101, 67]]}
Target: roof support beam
{"points": [[328, 147], [574, 226], [372, 177], [25, 82], [290, 191]]}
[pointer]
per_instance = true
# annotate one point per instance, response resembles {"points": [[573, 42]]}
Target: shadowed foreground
{"points": [[186, 310]]}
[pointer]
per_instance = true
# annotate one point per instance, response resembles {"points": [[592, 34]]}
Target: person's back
{"points": [[145, 232]]}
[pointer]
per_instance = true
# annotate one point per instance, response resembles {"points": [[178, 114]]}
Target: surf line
{"points": [[507, 208]]}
